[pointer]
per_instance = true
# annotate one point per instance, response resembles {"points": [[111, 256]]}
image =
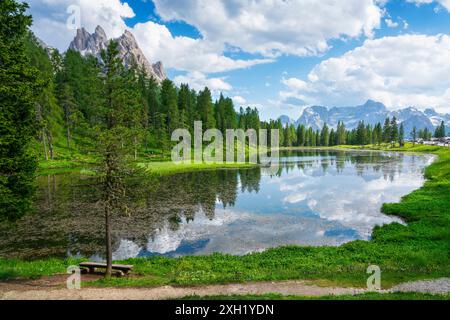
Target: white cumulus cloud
{"points": [[398, 71], [444, 3], [184, 53], [390, 23], [238, 100], [273, 27], [199, 81]]}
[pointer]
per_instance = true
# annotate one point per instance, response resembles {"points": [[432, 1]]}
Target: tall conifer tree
{"points": [[19, 86]]}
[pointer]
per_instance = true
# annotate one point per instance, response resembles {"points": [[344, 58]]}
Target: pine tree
{"points": [[414, 135], [394, 131], [332, 137], [66, 98], [440, 131], [142, 84], [325, 136], [279, 127], [19, 87], [134, 95], [341, 133], [425, 134], [387, 131], [111, 140], [361, 133], [161, 132], [219, 110], [317, 138], [401, 135], [153, 102], [369, 136], [205, 108], [287, 137], [169, 105], [185, 107], [67, 101], [230, 114], [378, 134], [301, 135]]}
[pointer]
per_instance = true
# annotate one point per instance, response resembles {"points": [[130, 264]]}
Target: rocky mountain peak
{"points": [[371, 112], [128, 35], [430, 112], [89, 44], [101, 34], [158, 67], [93, 44], [374, 106]]}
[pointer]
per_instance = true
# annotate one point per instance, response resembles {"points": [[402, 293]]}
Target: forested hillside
{"points": [[70, 107]]}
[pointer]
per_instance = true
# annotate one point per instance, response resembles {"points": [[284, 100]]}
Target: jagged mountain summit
{"points": [[93, 44], [371, 112]]}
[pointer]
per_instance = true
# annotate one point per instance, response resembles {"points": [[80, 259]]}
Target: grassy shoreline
{"points": [[404, 253], [167, 167], [152, 167]]}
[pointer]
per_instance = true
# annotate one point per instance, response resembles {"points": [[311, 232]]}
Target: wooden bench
{"points": [[122, 269]]}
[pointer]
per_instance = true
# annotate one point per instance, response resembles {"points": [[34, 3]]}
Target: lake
{"points": [[316, 198]]}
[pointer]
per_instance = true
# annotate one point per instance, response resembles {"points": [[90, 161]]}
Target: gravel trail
{"points": [[52, 289]]}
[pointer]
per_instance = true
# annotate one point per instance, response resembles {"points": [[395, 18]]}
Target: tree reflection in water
{"points": [[69, 220]]}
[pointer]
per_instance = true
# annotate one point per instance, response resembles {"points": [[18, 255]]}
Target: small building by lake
{"points": [[442, 142]]}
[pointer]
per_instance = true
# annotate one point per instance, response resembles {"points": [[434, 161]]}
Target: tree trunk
{"points": [[68, 138], [45, 145], [108, 242], [50, 143], [135, 149]]}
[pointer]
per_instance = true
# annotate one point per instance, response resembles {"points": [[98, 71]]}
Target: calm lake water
{"points": [[317, 198]]}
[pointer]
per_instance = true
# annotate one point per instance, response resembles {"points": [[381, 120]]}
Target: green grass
{"points": [[365, 296], [165, 168], [15, 268], [157, 165], [55, 167], [419, 250]]}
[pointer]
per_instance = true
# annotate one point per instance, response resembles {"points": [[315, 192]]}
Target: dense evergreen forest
{"points": [[389, 132]]}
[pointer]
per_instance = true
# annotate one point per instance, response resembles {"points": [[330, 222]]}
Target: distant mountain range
{"points": [[371, 112], [93, 44]]}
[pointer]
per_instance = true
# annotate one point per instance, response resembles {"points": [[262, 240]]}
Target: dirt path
{"points": [[53, 289]]}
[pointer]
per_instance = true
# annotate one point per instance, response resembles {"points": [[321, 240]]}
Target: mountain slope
{"points": [[371, 112], [93, 44]]}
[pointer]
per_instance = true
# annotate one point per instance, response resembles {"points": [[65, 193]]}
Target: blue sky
{"points": [[281, 57]]}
